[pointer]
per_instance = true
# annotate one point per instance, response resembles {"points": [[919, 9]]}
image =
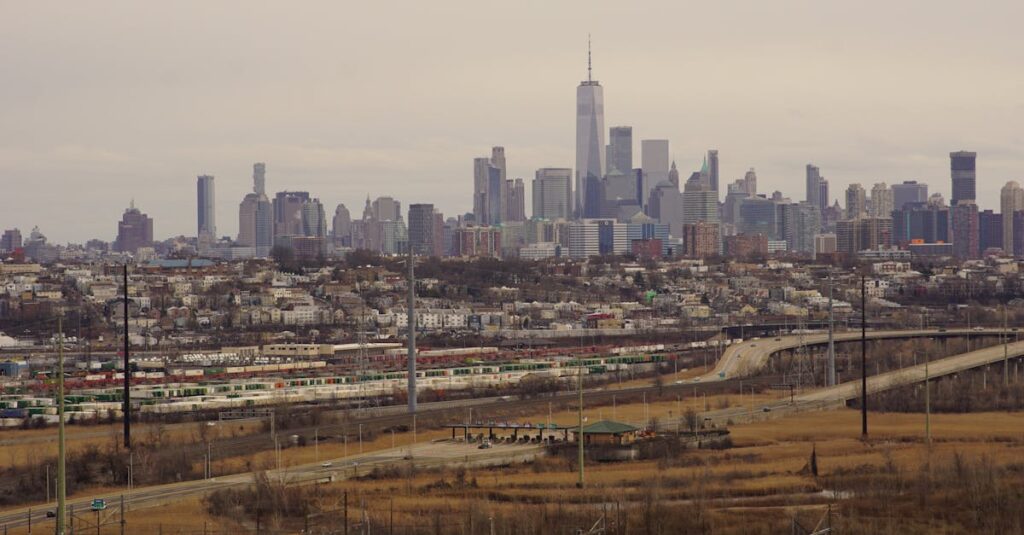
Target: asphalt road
{"points": [[421, 455]]}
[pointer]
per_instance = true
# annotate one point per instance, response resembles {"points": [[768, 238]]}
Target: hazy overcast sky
{"points": [[102, 102]]}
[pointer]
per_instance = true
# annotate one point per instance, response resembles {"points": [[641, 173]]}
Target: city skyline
{"points": [[773, 121]]}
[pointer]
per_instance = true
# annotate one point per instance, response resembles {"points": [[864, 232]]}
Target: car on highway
{"points": [[484, 445], [326, 464], [766, 409]]}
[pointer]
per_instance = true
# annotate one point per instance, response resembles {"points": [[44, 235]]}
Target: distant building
{"points": [[825, 244], [881, 200], [990, 230], [856, 201], [133, 231], [593, 237], [256, 216], [907, 192], [620, 150], [206, 208], [590, 146], [814, 182], [855, 235], [923, 222], [552, 193], [700, 240], [10, 241], [654, 160], [421, 229], [287, 207], [745, 246], [487, 185], [962, 171], [514, 200], [478, 241], [757, 215], [713, 170], [964, 225], [341, 226], [1011, 199]]}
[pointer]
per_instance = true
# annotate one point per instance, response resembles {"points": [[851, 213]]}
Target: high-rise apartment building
{"points": [[758, 215], [513, 201], [881, 200], [590, 145], [862, 234], [620, 150], [920, 221], [700, 240], [700, 202], [206, 227], [133, 231], [487, 186], [654, 160], [750, 182], [964, 215], [421, 229], [552, 193], [387, 209], [990, 230], [813, 181], [256, 215], [1011, 199], [962, 171], [798, 224], [856, 201], [908, 191], [314, 220], [10, 241]]}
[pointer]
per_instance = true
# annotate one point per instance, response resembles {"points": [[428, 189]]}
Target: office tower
{"points": [[654, 160], [387, 209], [341, 226], [288, 213], [735, 193], [750, 182], [758, 215], [1011, 199], [133, 231], [798, 224], [745, 246], [623, 188], [421, 229], [700, 202], [990, 230], [666, 206], [863, 234], [700, 240], [552, 193], [207, 227], [713, 169], [314, 222], [908, 191], [590, 145], [673, 175], [10, 241], [592, 237], [620, 150], [856, 202], [814, 187], [513, 201], [964, 215], [487, 185], [823, 194], [497, 197], [920, 221], [881, 200], [962, 171], [247, 221]]}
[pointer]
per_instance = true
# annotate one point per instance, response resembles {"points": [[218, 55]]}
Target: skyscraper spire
{"points": [[589, 77]]}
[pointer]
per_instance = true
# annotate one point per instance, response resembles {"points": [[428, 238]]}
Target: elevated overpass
{"points": [[750, 357]]}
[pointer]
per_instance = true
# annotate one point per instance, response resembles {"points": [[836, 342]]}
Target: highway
{"points": [[750, 356], [424, 455]]}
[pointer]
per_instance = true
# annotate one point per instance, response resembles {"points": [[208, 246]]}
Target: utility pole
{"points": [[831, 344], [863, 358], [1006, 352], [61, 490], [412, 335], [579, 436], [927, 404], [127, 371]]}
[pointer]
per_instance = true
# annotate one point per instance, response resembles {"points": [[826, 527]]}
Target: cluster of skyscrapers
{"points": [[608, 204]]}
